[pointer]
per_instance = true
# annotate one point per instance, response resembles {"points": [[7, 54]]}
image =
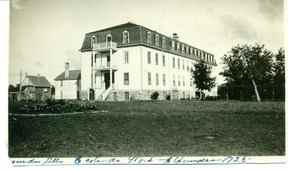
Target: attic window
{"points": [[149, 37], [108, 39], [93, 41], [157, 43], [125, 37], [163, 42], [172, 45]]}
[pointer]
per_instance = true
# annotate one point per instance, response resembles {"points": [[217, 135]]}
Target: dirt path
{"points": [[57, 114]]}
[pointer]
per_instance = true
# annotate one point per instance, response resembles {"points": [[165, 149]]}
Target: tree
{"points": [[279, 74], [202, 78], [246, 63]]}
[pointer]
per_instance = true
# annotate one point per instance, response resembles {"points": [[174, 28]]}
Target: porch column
{"points": [[110, 63]]}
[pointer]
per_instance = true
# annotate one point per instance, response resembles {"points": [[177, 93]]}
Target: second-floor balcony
{"points": [[105, 67], [104, 47]]}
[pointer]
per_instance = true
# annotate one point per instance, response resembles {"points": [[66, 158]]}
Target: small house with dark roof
{"points": [[68, 84], [35, 88]]}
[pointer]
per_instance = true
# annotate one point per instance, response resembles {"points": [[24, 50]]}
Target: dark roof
{"points": [[38, 81], [73, 75], [139, 40], [113, 27]]}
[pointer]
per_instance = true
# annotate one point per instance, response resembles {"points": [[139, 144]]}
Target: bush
{"points": [[154, 95], [51, 106], [211, 98], [168, 97]]}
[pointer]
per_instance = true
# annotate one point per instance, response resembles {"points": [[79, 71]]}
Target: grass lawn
{"points": [[160, 128]]}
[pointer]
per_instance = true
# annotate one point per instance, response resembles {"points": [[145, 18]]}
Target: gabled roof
{"points": [[73, 75], [38, 81]]}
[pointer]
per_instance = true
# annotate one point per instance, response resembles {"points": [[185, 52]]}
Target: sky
{"points": [[44, 34]]}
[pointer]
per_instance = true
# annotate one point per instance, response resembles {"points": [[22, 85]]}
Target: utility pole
{"points": [[20, 85]]}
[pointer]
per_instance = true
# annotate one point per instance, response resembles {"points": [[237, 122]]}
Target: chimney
{"points": [[38, 75], [175, 36], [66, 74]]}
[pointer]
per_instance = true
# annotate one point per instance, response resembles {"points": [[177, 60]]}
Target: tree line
{"points": [[252, 72]]}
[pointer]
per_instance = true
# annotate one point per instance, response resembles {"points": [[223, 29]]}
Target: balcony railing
{"points": [[104, 46], [107, 66]]}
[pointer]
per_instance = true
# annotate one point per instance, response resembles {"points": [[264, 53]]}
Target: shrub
{"points": [[168, 97], [211, 98], [52, 106], [154, 95]]}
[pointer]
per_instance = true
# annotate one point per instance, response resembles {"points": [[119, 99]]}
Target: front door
{"points": [[107, 79]]}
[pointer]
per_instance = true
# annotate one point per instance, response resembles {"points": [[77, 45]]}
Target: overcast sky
{"points": [[46, 33]]}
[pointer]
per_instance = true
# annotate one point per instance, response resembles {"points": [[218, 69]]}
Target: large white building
{"points": [[140, 61]]}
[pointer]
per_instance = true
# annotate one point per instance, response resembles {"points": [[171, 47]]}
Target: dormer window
{"points": [[163, 42], [93, 41], [173, 45], [178, 46], [125, 36], [157, 43], [108, 39], [149, 37]]}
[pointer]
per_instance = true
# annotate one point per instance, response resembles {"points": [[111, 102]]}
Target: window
{"points": [[93, 41], [126, 95], [91, 60], [163, 60], [173, 62], [174, 82], [149, 78], [183, 65], [149, 37], [178, 46], [61, 83], [108, 39], [157, 79], [126, 78], [125, 37], [126, 57], [163, 42], [183, 82], [149, 57], [157, 43], [173, 45], [95, 57], [179, 82], [191, 66], [164, 79], [178, 63], [156, 58], [201, 54]]}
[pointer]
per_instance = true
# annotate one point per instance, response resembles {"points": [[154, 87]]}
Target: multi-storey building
{"points": [[130, 61]]}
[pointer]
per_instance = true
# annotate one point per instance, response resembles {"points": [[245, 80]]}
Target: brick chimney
{"points": [[175, 36], [66, 74]]}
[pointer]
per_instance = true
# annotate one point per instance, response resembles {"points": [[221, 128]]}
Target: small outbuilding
{"points": [[68, 84], [35, 88]]}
